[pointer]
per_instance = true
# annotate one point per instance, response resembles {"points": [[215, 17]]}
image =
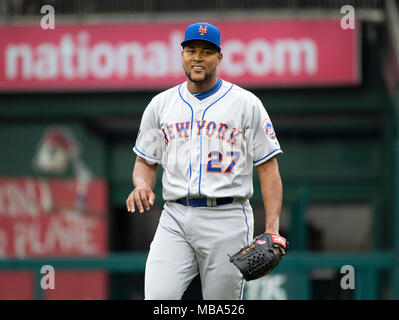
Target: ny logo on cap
{"points": [[202, 30]]}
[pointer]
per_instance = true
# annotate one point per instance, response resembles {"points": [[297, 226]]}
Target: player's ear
{"points": [[220, 57]]}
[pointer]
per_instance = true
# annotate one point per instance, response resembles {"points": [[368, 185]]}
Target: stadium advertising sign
{"points": [[47, 218], [148, 55]]}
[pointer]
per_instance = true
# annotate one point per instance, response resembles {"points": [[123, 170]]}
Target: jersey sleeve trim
{"points": [[141, 154], [268, 156]]}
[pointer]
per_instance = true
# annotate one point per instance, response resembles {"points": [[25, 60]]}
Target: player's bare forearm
{"points": [[144, 178], [144, 174], [272, 193]]}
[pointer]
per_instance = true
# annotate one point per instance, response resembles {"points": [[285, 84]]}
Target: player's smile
{"points": [[198, 68]]}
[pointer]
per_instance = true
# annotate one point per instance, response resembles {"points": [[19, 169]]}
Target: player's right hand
{"points": [[142, 197]]}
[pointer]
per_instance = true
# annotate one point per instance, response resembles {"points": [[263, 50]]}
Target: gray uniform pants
{"points": [[192, 240]]}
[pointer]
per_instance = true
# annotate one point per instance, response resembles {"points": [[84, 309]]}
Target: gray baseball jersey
{"points": [[207, 148]]}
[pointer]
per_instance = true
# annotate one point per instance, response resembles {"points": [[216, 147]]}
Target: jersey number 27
{"points": [[216, 157]]}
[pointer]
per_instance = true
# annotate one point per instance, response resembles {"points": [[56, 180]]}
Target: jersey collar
{"points": [[205, 94]]}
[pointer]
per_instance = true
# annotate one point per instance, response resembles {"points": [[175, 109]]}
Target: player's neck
{"points": [[201, 86]]}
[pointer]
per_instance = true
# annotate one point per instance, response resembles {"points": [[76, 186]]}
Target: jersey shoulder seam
{"points": [[166, 92], [240, 90]]}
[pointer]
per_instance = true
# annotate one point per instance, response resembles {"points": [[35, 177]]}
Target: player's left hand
{"points": [[261, 256]]}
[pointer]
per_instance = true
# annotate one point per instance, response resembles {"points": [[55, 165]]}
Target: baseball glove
{"points": [[261, 256]]}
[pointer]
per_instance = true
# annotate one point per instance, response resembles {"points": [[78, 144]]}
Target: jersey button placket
{"points": [[195, 152], [200, 155]]}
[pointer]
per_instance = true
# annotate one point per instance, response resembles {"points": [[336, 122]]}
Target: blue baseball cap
{"points": [[202, 31]]}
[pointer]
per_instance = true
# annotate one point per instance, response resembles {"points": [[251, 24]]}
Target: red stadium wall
{"points": [[147, 55], [53, 218]]}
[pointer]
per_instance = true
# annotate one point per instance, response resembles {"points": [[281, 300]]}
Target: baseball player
{"points": [[207, 134]]}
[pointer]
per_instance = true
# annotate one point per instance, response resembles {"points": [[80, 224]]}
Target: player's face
{"points": [[200, 61]]}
